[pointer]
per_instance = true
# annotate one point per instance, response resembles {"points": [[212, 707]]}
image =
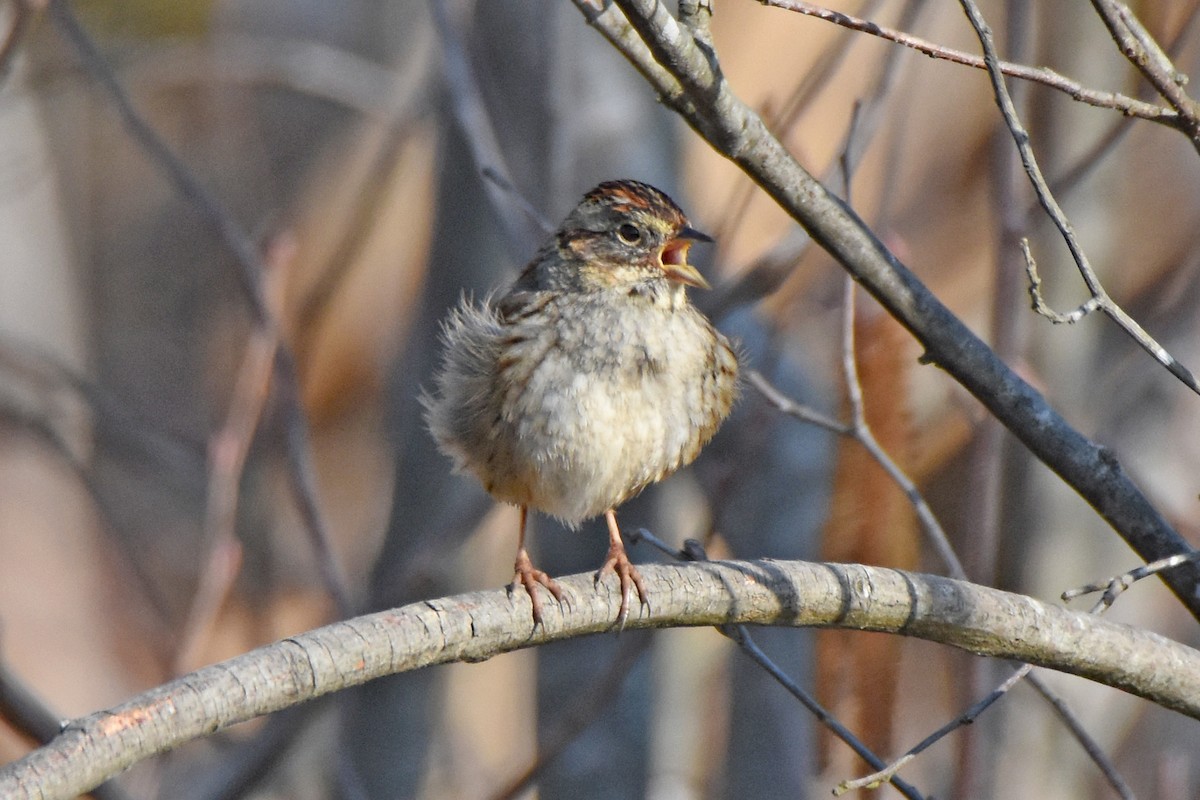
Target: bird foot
{"points": [[619, 563], [529, 577]]}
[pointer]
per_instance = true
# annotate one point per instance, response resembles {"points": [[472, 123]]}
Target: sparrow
{"points": [[590, 378]]}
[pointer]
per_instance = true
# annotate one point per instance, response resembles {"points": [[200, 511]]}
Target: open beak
{"points": [[674, 258]]}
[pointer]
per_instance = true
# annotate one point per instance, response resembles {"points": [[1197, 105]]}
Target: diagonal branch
{"points": [[860, 431], [968, 717], [250, 268], [1140, 48], [686, 81], [740, 635], [1100, 298]]}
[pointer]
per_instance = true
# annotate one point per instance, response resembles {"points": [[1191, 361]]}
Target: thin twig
{"points": [[1140, 48], [798, 410], [600, 695], [1054, 211], [1117, 584], [1061, 709], [694, 551], [874, 780], [227, 452], [740, 634], [1090, 745], [1088, 160], [475, 124], [249, 272], [863, 435], [1039, 301], [1047, 77]]}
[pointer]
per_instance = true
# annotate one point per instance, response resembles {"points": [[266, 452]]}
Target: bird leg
{"points": [[618, 562], [529, 577]]}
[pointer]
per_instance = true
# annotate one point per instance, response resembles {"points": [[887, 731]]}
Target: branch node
{"points": [[1116, 585], [1039, 302]]}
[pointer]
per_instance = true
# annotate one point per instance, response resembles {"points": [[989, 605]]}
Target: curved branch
{"points": [[480, 625]]}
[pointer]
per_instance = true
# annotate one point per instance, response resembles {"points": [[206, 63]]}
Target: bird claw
{"points": [[528, 577], [618, 562]]}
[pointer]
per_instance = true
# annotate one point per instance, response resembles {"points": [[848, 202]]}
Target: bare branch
{"points": [[1116, 585], [876, 779], [250, 270], [1055, 212], [693, 550], [858, 430], [709, 105], [1039, 301], [479, 625], [28, 715], [798, 410], [862, 432], [741, 635], [471, 114], [1071, 720], [1047, 77], [228, 449], [1140, 48]]}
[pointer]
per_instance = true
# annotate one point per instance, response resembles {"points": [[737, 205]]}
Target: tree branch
{"points": [[1140, 48], [687, 82], [250, 269], [477, 626], [1100, 297], [1129, 106]]}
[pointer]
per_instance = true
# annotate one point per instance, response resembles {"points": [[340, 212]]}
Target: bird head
{"points": [[627, 232]]}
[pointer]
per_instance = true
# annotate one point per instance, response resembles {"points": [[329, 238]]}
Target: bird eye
{"points": [[629, 234]]}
